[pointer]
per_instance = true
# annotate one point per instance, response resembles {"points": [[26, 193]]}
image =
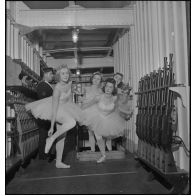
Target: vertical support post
{"points": [[19, 45], [32, 59], [16, 45], [8, 40], [12, 41], [22, 48]]}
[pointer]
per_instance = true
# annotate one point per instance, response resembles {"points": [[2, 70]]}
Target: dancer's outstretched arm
{"points": [[55, 102]]}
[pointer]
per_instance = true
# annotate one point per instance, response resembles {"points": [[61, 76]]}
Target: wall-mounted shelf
{"points": [[22, 132]]}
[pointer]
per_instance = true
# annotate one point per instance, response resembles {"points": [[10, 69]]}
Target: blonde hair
{"points": [[59, 68]]}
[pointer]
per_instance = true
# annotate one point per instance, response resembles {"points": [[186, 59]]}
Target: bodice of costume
{"points": [[66, 96], [104, 107], [91, 93]]}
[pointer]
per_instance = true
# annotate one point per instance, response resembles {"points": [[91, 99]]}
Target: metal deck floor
{"points": [[111, 177]]}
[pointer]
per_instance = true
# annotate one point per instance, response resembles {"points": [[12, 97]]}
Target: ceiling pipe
{"points": [[80, 49]]}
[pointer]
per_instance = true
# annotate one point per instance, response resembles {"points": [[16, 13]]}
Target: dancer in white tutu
{"points": [[58, 108], [102, 119], [90, 93]]}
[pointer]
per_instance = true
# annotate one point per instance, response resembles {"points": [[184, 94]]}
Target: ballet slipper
{"points": [[49, 142], [61, 165], [102, 159]]}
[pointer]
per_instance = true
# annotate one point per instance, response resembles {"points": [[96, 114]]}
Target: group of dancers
{"points": [[103, 110]]}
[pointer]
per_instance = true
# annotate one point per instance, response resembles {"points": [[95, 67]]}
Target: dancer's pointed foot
{"points": [[61, 165], [49, 142], [102, 159]]}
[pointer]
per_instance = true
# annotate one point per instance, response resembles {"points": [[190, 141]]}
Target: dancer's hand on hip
{"points": [[50, 132]]}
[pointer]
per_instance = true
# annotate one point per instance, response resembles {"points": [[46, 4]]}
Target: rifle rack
{"points": [[157, 88]]}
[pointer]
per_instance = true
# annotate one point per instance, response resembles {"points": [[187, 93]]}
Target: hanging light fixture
{"points": [[78, 72], [75, 35]]}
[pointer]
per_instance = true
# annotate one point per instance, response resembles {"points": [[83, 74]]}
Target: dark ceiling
{"points": [[92, 43]]}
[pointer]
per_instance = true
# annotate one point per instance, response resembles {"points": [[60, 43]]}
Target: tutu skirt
{"points": [[43, 109], [106, 125]]}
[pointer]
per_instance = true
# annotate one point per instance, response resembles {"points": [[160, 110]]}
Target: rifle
{"points": [[146, 107], [146, 116], [151, 115], [138, 117], [157, 118], [167, 133], [167, 161], [142, 108], [166, 139], [139, 110]]}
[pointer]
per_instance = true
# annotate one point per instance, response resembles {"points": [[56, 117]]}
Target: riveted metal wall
{"points": [[159, 29], [123, 64]]}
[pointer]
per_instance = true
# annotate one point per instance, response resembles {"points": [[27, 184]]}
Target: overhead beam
{"points": [[75, 17], [75, 49], [90, 37], [72, 57]]}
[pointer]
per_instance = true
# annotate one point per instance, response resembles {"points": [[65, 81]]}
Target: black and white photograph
{"points": [[97, 97]]}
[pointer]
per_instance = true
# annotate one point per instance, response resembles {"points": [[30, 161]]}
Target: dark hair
{"points": [[21, 75], [95, 73], [110, 80], [126, 87], [119, 74], [48, 69]]}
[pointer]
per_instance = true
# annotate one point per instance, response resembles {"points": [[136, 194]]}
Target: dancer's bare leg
{"points": [[91, 140], [59, 153], [109, 144], [102, 146], [66, 126]]}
